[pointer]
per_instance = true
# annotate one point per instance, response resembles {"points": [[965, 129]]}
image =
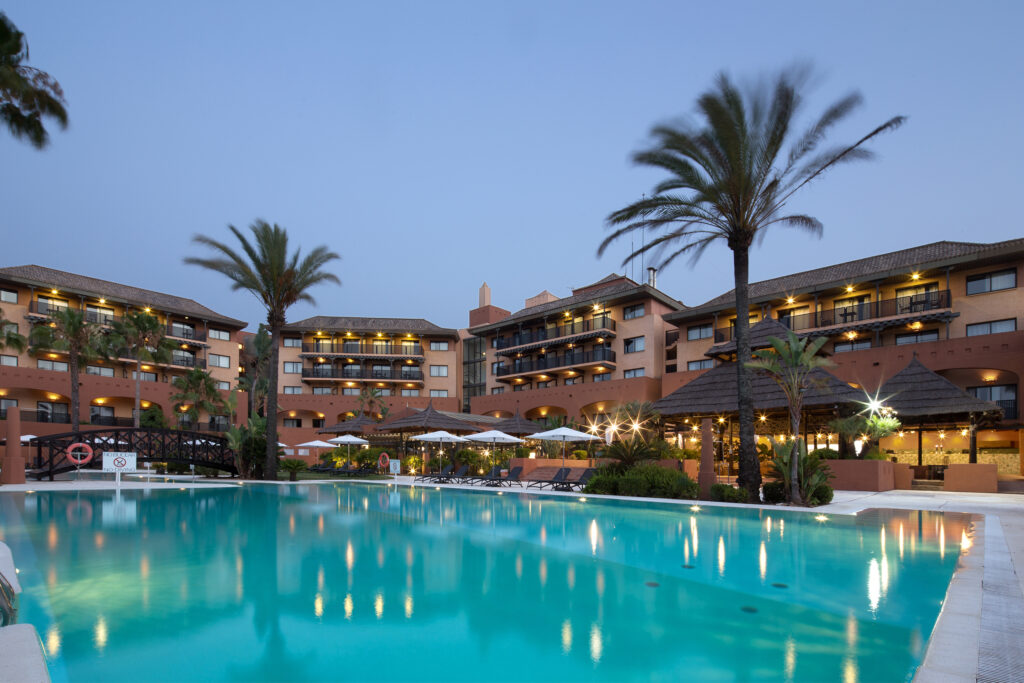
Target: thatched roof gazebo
{"points": [[427, 420], [517, 425], [923, 398], [355, 425]]}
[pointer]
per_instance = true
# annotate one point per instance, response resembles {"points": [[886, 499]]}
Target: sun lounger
{"points": [[576, 484], [431, 476], [454, 478], [493, 475], [560, 476], [512, 478]]}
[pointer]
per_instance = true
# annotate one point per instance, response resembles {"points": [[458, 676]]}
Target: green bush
{"points": [[207, 472], [153, 418], [826, 453], [821, 496], [689, 454], [160, 467], [774, 493], [724, 493], [644, 481], [292, 466], [580, 454], [467, 456]]}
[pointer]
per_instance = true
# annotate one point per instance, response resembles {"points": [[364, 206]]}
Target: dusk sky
{"points": [[437, 145]]}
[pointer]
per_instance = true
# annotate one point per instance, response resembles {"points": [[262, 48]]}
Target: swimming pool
{"points": [[372, 582]]}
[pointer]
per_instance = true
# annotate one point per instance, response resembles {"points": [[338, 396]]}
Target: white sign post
{"points": [[118, 462], [395, 466]]}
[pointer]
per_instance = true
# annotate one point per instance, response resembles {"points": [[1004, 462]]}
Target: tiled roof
{"points": [[934, 255], [48, 278], [618, 289], [714, 393], [351, 324]]}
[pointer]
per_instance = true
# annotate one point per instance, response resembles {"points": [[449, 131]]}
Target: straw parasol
{"points": [[426, 420], [353, 426], [518, 425]]}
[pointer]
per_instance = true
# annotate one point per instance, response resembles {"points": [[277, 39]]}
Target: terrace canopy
{"points": [[923, 398]]}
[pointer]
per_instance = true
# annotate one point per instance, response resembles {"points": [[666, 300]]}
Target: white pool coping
{"points": [[979, 635]]}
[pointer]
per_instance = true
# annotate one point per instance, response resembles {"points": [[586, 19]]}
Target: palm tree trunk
{"points": [[749, 466], [137, 413], [73, 367], [270, 462], [794, 456]]}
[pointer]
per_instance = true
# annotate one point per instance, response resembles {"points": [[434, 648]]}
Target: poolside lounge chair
{"points": [[512, 478], [431, 476], [560, 476], [493, 475], [576, 484], [454, 478]]}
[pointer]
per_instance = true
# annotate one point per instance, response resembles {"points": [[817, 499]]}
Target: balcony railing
{"points": [[111, 421], [848, 315], [412, 375], [44, 308], [551, 361], [564, 330], [185, 333], [101, 318], [364, 348], [188, 362], [39, 416]]}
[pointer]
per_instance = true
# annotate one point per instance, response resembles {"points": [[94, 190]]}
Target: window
{"points": [[48, 411], [915, 337], [384, 392], [992, 282], [222, 335], [549, 383], [99, 371], [498, 367], [602, 377], [438, 370], [223, 386], [10, 328], [46, 304], [497, 390], [521, 387], [101, 415], [6, 403], [9, 361], [786, 317], [633, 345], [1003, 394], [292, 422], [145, 376], [322, 391], [631, 312], [438, 393], [218, 361], [410, 392], [635, 372], [55, 365], [438, 346], [568, 381], [292, 390], [702, 364], [292, 342], [185, 358], [350, 391], [381, 371], [292, 368], [9, 296], [99, 314], [695, 332], [318, 423], [994, 327], [858, 345], [184, 330]]}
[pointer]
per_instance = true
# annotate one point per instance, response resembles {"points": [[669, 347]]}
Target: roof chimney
{"points": [[485, 295], [652, 276]]}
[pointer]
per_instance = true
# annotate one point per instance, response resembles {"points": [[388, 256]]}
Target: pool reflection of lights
{"points": [[821, 518]]}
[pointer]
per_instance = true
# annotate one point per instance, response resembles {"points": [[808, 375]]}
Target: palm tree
{"points": [[278, 280], [197, 391], [791, 363], [27, 94], [70, 332], [140, 336], [730, 179], [9, 337], [254, 382]]}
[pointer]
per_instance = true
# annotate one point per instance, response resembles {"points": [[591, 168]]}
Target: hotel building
{"points": [[956, 306], [38, 385]]}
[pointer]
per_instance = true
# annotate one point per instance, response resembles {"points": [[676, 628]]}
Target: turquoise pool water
{"points": [[369, 582]]}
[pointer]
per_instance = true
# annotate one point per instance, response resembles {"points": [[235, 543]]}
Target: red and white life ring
{"points": [[74, 454], [383, 461]]}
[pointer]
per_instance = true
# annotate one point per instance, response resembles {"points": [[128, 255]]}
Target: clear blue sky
{"points": [[436, 145]]}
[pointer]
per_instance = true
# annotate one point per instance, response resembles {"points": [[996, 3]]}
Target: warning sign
{"points": [[114, 461]]}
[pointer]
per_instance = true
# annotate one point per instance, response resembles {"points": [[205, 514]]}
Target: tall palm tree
{"points": [[791, 362], [70, 332], [140, 336], [729, 180], [27, 94], [197, 391], [278, 280], [9, 337], [254, 382]]}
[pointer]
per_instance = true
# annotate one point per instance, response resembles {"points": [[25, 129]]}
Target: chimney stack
{"points": [[652, 276], [485, 295]]}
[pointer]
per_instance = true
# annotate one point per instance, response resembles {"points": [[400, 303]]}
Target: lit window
{"points": [[9, 361], [916, 337], [54, 365], [410, 392]]}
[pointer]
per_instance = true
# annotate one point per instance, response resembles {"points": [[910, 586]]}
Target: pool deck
{"points": [[979, 635]]}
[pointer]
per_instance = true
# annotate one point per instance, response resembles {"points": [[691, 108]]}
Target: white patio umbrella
{"points": [[25, 438], [348, 440], [563, 434], [441, 437], [316, 443], [494, 437]]}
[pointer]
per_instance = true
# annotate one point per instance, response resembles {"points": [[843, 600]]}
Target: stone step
{"points": [[926, 485]]}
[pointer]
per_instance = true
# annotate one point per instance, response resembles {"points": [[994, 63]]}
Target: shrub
{"points": [[629, 454], [292, 466], [821, 496], [467, 456], [580, 454], [207, 472], [178, 468], [826, 453], [689, 454], [724, 493], [604, 482], [644, 481], [774, 493], [160, 467]]}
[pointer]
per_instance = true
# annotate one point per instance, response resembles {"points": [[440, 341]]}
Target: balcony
{"points": [[1009, 407], [39, 416], [552, 361], [900, 309], [111, 421], [47, 309], [43, 308], [350, 372], [558, 331], [358, 348], [182, 332], [188, 362]]}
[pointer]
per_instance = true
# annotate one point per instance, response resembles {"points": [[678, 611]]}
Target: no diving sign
{"points": [[114, 461]]}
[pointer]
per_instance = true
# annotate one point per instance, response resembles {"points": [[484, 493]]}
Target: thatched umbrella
{"points": [[518, 426], [353, 426], [921, 396], [426, 420]]}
